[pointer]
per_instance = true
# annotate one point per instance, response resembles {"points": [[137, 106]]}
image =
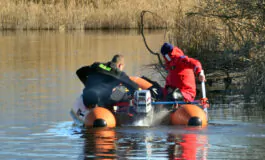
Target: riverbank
{"points": [[84, 14]]}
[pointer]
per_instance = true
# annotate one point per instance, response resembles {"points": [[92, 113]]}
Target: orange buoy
{"points": [[100, 117], [142, 83], [189, 114]]}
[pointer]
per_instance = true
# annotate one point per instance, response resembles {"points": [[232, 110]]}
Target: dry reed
{"points": [[84, 14]]}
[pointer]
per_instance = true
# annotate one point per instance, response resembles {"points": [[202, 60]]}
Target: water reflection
{"points": [[99, 143], [238, 114], [139, 143], [189, 145]]}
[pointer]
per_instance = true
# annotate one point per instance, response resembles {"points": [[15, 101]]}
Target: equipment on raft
{"points": [[142, 101], [141, 109]]}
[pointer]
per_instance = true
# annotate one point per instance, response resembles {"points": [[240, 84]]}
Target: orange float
{"points": [[142, 83], [189, 114], [100, 117]]}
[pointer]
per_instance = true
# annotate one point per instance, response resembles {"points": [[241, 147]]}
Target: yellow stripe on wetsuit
{"points": [[102, 66]]}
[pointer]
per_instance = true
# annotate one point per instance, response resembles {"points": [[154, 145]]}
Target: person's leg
{"points": [[188, 96], [174, 95]]}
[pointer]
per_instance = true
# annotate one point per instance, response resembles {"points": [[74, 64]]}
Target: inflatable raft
{"points": [[141, 111]]}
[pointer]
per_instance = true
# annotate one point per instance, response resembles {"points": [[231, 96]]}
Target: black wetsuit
{"points": [[100, 80]]}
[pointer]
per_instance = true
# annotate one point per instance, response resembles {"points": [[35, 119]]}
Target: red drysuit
{"points": [[181, 71]]}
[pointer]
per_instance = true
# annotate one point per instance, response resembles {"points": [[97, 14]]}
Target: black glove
{"points": [[175, 95], [155, 89]]}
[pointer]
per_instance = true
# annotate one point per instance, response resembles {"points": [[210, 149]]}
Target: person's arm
{"points": [[82, 73], [190, 63], [193, 64], [132, 86]]}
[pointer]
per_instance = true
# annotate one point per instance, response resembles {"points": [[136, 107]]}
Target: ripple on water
{"points": [[58, 141]]}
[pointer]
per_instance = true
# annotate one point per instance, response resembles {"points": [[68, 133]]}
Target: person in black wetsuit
{"points": [[106, 83]]}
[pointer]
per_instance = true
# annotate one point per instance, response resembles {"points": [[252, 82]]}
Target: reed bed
{"points": [[85, 14]]}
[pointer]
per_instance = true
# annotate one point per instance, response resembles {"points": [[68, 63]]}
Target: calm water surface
{"points": [[38, 86]]}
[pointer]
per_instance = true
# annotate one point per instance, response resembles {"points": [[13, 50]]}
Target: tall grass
{"points": [[83, 14]]}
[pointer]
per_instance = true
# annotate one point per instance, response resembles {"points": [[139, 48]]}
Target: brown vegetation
{"points": [[83, 14], [255, 84], [229, 36], [225, 36]]}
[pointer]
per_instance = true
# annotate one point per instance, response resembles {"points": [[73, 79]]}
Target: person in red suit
{"points": [[180, 81]]}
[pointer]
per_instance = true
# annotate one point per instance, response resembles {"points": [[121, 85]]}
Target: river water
{"points": [[38, 86]]}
